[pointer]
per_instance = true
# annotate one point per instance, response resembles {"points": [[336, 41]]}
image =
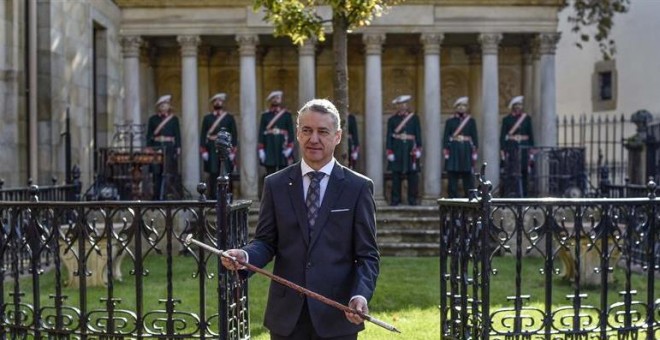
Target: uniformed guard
{"points": [[276, 135], [516, 137], [353, 141], [164, 135], [404, 149], [211, 125], [460, 144]]}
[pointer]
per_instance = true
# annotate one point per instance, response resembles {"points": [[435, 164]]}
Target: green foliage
{"points": [[300, 19], [600, 15]]}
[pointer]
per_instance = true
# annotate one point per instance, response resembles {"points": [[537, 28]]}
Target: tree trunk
{"points": [[340, 80]]}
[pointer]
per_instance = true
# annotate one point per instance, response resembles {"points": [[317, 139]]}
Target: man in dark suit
{"points": [[317, 219]]}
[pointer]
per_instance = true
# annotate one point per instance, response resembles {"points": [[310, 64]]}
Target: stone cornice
{"points": [[234, 3]]}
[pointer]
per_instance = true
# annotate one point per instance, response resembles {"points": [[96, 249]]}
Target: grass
{"points": [[407, 295]]}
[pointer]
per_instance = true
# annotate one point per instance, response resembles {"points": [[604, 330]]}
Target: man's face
{"points": [[461, 108], [217, 104], [517, 107], [402, 106], [317, 137], [276, 100], [164, 107]]}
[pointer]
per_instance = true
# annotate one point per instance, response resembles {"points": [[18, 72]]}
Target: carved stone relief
{"points": [[510, 85], [454, 82]]}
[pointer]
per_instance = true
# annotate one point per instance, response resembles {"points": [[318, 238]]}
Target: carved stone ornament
{"points": [[490, 42], [548, 42], [247, 44], [130, 46], [373, 42], [189, 44], [431, 42]]}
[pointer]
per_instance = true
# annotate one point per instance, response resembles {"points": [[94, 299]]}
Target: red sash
{"points": [[403, 123], [274, 120], [461, 126], [215, 124], [517, 124], [162, 124]]}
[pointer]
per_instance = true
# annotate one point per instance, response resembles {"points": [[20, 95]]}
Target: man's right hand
{"points": [[230, 264], [262, 155]]}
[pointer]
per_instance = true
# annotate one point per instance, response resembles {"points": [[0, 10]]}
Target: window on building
{"points": [[604, 86]]}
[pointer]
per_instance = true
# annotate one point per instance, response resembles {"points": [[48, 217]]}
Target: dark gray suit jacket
{"points": [[341, 259]]}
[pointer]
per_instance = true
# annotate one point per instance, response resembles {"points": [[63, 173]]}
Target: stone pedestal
{"points": [[97, 261]]}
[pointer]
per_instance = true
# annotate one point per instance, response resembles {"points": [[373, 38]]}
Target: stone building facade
{"points": [[108, 60]]}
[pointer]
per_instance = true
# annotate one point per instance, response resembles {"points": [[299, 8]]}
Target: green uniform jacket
{"points": [[404, 160], [524, 129], [171, 129], [460, 152], [208, 144], [279, 137]]}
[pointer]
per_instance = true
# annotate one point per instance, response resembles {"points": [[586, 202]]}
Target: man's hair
{"points": [[321, 106]]}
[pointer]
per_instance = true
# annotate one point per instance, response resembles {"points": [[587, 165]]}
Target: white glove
{"points": [[232, 156], [262, 155], [418, 153], [474, 156], [287, 152], [390, 157], [205, 156], [354, 155]]}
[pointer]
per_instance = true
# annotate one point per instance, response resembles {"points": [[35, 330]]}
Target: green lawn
{"points": [[407, 295]]}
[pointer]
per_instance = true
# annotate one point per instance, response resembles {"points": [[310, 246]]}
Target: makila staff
{"points": [[294, 286]]}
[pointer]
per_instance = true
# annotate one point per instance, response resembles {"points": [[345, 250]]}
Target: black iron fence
{"points": [[90, 244], [584, 240], [69, 191]]}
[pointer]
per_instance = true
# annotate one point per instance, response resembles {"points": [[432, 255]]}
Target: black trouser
{"points": [[454, 176], [304, 330], [413, 178]]}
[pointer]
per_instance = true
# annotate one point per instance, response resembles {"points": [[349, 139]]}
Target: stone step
{"points": [[414, 223], [408, 249], [408, 236]]}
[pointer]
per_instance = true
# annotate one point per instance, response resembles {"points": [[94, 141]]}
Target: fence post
{"points": [[485, 197], [223, 146]]}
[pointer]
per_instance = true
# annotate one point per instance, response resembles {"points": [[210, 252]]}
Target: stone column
{"points": [[131, 51], [536, 91], [547, 47], [432, 140], [490, 142], [248, 135], [528, 79], [306, 72], [190, 112], [374, 112], [474, 90]]}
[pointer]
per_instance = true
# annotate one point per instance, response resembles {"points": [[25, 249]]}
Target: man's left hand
{"points": [[360, 304]]}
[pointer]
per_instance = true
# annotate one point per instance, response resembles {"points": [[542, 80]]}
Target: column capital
{"points": [[189, 44], [308, 47], [247, 44], [432, 42], [490, 42], [473, 53], [373, 42], [548, 42], [130, 46]]}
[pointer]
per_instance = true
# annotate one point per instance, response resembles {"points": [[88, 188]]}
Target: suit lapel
{"points": [[332, 191], [297, 200]]}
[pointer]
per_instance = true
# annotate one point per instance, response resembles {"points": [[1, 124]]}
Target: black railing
{"points": [[70, 191], [81, 290], [590, 238]]}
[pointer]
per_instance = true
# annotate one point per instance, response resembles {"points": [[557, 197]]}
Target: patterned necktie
{"points": [[313, 200]]}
